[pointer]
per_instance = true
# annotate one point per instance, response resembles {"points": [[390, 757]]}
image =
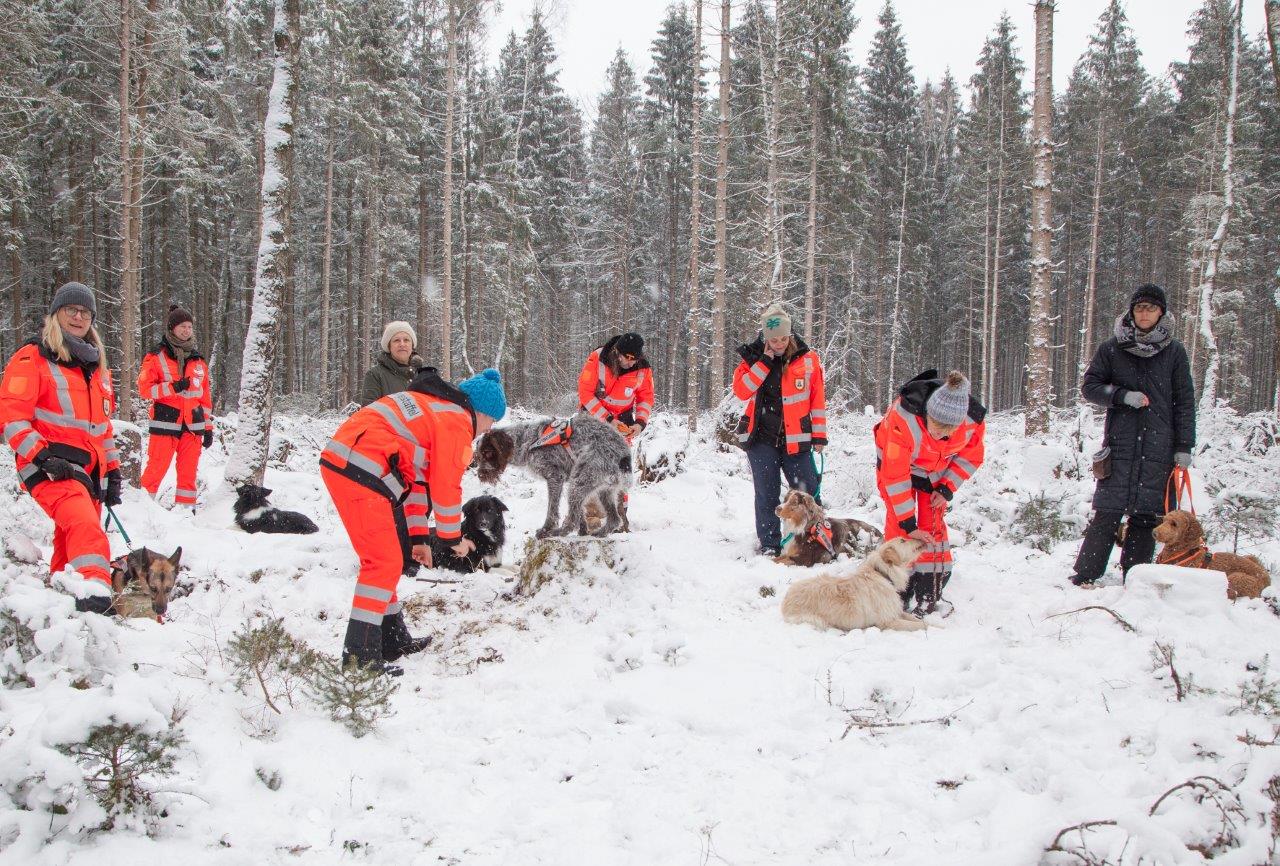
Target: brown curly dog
{"points": [[1183, 540]]}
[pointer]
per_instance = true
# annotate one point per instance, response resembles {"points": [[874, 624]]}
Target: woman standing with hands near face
{"points": [[56, 402], [785, 420], [175, 378], [1142, 376]]}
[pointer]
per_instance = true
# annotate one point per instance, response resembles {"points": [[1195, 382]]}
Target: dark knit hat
{"points": [[1151, 293], [177, 316], [630, 344], [74, 293]]}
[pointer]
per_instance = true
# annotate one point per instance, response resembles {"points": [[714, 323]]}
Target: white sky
{"points": [[939, 33]]}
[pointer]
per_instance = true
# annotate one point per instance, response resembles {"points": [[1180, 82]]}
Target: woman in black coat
{"points": [[1143, 377]]}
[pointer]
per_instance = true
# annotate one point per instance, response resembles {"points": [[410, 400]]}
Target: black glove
{"points": [[208, 439], [95, 604], [55, 467], [749, 353], [182, 384], [112, 494]]}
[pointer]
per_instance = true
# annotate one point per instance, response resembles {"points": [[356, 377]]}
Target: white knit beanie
{"points": [[775, 322], [393, 328]]}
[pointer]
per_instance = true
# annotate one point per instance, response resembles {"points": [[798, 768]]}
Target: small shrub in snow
{"points": [[119, 759], [17, 647], [1260, 694], [267, 660], [1038, 521], [357, 697], [1238, 511]]}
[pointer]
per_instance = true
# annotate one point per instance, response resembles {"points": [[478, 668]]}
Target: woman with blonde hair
{"points": [[56, 402]]}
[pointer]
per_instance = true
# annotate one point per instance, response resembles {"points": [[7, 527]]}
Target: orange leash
{"points": [[1179, 482]]}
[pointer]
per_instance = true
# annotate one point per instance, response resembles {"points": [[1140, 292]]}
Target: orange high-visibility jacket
{"points": [[607, 396], [172, 410], [804, 399], [63, 409], [908, 458], [412, 448]]}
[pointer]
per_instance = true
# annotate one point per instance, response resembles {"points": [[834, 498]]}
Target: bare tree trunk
{"points": [[811, 229], [1209, 390], [248, 458], [993, 338], [15, 270], [326, 274], [446, 289], [1273, 40], [1091, 281], [770, 95], [695, 227], [895, 315], [715, 385], [1039, 371], [128, 261]]}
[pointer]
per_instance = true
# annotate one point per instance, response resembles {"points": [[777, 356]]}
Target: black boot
{"points": [[363, 648], [396, 640], [96, 604]]}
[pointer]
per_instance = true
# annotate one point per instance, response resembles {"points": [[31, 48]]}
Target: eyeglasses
{"points": [[1146, 308], [630, 359], [78, 312]]}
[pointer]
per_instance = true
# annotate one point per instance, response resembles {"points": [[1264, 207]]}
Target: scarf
{"points": [[84, 352], [1146, 345], [181, 349]]}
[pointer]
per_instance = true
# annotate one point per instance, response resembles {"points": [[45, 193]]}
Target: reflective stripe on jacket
{"points": [[607, 396], [64, 409], [172, 410], [804, 400], [412, 448]]}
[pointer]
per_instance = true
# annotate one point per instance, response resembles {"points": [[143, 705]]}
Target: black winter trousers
{"points": [[1100, 536]]}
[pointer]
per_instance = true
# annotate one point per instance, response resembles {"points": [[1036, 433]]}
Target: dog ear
{"points": [[502, 506], [1194, 531], [177, 555], [264, 492], [889, 553]]}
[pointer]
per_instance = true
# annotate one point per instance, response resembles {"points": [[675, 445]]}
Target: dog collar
{"points": [[821, 533], [1201, 551]]}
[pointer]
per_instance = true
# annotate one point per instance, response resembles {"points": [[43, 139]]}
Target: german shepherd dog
{"points": [[155, 572], [484, 524], [255, 514], [814, 538]]}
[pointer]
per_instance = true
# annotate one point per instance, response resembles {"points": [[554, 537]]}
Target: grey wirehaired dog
{"points": [[584, 454]]}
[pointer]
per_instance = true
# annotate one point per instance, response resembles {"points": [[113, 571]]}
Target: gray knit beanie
{"points": [[393, 328], [775, 322], [74, 293], [949, 404]]}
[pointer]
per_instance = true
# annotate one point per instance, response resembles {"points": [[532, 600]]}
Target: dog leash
{"points": [[1179, 481], [111, 515], [822, 456]]}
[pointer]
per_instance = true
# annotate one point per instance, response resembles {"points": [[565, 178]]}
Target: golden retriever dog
{"points": [[1183, 539], [815, 539], [867, 597]]}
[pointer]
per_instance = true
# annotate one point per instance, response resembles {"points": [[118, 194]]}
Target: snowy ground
{"points": [[661, 712]]}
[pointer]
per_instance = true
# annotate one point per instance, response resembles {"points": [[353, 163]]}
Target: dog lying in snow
{"points": [[813, 538], [1183, 539], [482, 522], [584, 454], [869, 596], [255, 514]]}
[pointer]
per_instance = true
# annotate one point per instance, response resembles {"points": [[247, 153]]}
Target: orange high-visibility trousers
{"points": [[936, 558], [160, 452], [370, 522], [79, 541]]}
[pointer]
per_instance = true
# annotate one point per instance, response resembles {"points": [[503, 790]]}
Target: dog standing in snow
{"points": [[870, 596], [585, 455], [255, 514]]}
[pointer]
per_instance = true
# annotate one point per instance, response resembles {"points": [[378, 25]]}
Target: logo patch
{"points": [[408, 405], [106, 406], [800, 383], [772, 322]]}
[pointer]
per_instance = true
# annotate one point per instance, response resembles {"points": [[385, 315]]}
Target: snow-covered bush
{"points": [[357, 697], [120, 759]]}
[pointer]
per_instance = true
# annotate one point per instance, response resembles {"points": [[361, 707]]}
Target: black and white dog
{"points": [[484, 524], [255, 514]]}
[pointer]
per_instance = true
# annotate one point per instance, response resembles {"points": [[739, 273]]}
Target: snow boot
{"points": [[96, 604], [396, 640], [363, 648]]}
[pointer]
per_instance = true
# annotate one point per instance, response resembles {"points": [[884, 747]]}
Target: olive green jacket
{"points": [[387, 377]]}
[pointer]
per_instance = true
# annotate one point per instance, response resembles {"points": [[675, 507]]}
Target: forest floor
{"points": [[649, 705]]}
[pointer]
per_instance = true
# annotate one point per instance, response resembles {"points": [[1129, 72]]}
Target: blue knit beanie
{"points": [[484, 390]]}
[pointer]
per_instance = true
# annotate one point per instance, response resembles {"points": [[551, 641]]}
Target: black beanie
{"points": [[177, 316], [630, 344], [1151, 293]]}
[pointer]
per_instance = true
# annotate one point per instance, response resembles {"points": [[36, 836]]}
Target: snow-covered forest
{"points": [[517, 230]]}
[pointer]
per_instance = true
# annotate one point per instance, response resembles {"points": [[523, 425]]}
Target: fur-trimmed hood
{"points": [[916, 392]]}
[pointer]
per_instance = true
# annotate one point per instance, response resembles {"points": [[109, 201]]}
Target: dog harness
{"points": [[558, 432], [821, 533], [1189, 557]]}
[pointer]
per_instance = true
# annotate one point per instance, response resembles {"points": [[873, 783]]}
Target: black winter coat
{"points": [[1143, 441]]}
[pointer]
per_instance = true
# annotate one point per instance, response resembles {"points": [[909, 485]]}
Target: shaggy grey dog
{"points": [[594, 461]]}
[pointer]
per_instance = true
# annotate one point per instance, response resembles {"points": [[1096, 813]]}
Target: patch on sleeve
{"points": [[17, 385], [892, 450], [408, 405]]}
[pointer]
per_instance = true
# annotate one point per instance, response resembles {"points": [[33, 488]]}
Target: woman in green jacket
{"points": [[395, 367]]}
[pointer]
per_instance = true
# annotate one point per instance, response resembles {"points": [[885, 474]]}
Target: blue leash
{"points": [[111, 515]]}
